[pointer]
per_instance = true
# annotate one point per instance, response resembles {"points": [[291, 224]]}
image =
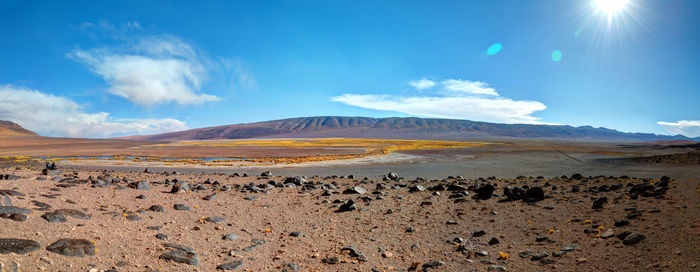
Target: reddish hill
{"points": [[405, 128], [8, 128]]}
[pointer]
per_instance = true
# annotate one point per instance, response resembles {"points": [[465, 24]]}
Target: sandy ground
{"points": [[670, 224], [442, 223]]}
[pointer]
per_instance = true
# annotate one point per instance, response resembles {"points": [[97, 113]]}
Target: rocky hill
{"points": [[406, 128]]}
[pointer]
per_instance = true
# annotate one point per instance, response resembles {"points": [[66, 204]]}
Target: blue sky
{"points": [[110, 68]]}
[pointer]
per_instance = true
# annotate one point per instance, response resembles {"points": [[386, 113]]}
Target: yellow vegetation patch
{"points": [[371, 147]]}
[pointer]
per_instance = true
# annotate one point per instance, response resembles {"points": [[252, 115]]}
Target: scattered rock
{"points": [[494, 267], [55, 217], [230, 237], [393, 176], [143, 185], [539, 256], [181, 256], [180, 186], [598, 203], [633, 238], [348, 206], [331, 260], [534, 194], [210, 197], [485, 191], [230, 265], [181, 207], [72, 247], [607, 234], [514, 193], [621, 223], [157, 208], [17, 246], [355, 253], [355, 190]]}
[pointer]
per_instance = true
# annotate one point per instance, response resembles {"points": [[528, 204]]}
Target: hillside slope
{"points": [[407, 128], [8, 128]]}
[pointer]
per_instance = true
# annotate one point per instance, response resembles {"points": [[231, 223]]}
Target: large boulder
{"points": [[485, 191], [534, 194], [180, 186], [514, 192]]}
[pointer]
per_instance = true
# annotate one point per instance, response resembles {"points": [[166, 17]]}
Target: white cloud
{"points": [[470, 87], [152, 71], [464, 100], [688, 128], [52, 115], [501, 110], [422, 84]]}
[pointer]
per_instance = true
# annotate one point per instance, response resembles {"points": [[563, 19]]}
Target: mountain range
{"points": [[400, 128]]}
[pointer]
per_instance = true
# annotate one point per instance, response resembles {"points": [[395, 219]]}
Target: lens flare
{"points": [[556, 55], [494, 49]]}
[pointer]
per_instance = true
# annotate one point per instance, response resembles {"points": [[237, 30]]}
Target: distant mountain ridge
{"points": [[8, 128], [399, 128]]}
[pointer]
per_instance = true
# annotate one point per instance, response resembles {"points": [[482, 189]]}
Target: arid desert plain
{"points": [[348, 205]]}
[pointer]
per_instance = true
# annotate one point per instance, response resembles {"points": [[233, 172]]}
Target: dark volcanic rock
{"points": [[598, 203], [355, 190], [485, 191], [539, 256], [621, 223], [17, 246], [534, 194], [74, 213], [230, 265], [181, 256], [55, 217], [214, 219], [633, 238], [72, 247], [514, 192], [157, 208], [348, 206], [13, 209], [180, 186], [181, 207], [210, 197], [417, 188], [179, 247], [393, 176], [331, 260], [298, 181], [18, 217], [355, 253]]}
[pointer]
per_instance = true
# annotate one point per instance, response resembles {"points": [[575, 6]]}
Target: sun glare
{"points": [[611, 6]]}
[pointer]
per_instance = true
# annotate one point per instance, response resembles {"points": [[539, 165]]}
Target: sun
{"points": [[611, 6]]}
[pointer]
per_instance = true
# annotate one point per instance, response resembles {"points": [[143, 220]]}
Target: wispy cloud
{"points": [[468, 87], [688, 128], [460, 99], [422, 84], [52, 115], [154, 70]]}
